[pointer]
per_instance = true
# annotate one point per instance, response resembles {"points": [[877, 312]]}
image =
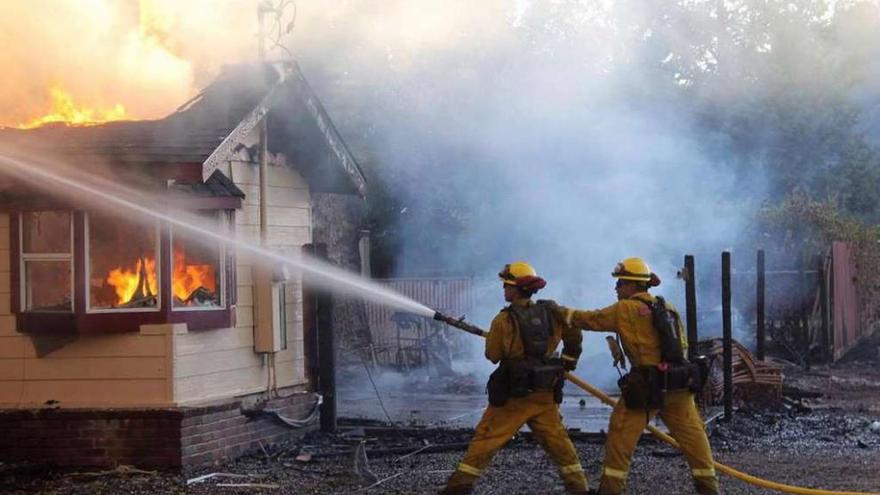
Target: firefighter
{"points": [[652, 385], [526, 388]]}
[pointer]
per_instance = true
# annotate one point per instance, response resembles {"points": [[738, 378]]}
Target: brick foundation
{"points": [[182, 437]]}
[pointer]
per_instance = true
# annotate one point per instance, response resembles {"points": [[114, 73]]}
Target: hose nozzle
{"points": [[460, 324]]}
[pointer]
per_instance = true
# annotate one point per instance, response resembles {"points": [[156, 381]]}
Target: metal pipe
{"points": [[690, 289], [264, 224], [728, 336], [263, 129], [760, 318], [264, 183]]}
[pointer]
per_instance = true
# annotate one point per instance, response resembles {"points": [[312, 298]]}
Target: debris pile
{"points": [[753, 380]]}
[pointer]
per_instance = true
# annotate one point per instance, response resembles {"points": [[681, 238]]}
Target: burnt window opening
{"points": [[197, 267], [46, 239], [123, 264]]}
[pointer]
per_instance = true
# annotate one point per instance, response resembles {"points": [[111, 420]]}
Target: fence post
{"points": [[759, 306], [326, 351], [825, 299], [310, 328], [804, 293], [690, 289], [728, 336]]}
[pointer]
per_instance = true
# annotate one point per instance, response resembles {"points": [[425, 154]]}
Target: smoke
{"points": [[574, 134], [538, 132], [150, 56], [568, 134], [534, 146]]}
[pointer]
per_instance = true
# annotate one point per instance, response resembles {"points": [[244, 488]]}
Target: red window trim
{"points": [[82, 322]]}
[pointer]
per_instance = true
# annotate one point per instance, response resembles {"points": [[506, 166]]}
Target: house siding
{"points": [[169, 366], [221, 363], [97, 370]]}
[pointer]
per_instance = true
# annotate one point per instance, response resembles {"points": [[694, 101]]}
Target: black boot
{"points": [[580, 491], [457, 490]]}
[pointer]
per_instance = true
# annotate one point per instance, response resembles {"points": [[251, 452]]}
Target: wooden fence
{"points": [[393, 342]]}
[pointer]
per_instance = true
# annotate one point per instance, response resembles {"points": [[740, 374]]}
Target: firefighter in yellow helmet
{"points": [[527, 386], [660, 380]]}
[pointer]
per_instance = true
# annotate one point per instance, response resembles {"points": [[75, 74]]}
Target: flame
{"points": [[186, 279], [64, 110], [126, 282]]}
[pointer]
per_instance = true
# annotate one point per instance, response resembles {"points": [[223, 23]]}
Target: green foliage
{"points": [[800, 225], [774, 83]]}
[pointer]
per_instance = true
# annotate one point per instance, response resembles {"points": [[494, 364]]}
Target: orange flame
{"points": [[186, 279], [65, 110], [126, 282]]}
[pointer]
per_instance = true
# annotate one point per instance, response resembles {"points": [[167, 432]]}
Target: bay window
{"points": [[81, 272]]}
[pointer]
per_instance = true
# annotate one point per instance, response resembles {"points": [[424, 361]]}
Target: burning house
{"points": [[123, 342]]}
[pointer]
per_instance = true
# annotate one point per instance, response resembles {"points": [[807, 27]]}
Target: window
{"points": [[46, 261], [197, 268], [91, 272], [123, 264]]}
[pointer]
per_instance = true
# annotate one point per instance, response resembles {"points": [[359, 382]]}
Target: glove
{"points": [[569, 362]]}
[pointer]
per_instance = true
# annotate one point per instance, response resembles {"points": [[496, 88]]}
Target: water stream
{"points": [[323, 274]]}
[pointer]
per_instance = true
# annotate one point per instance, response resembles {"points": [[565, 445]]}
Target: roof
{"points": [[218, 185], [210, 126], [347, 96]]}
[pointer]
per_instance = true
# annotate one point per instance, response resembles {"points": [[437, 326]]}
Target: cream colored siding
{"points": [[296, 351], [165, 364], [131, 369], [93, 370], [213, 364]]}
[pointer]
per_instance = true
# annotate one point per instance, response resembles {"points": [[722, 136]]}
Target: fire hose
{"points": [[602, 396]]}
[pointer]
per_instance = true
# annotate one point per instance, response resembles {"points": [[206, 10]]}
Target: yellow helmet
{"points": [[632, 269], [516, 270]]}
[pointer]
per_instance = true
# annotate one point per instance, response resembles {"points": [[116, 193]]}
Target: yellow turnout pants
{"points": [[680, 415], [500, 424]]}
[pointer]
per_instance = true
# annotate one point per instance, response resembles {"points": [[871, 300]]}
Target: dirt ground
{"points": [[825, 434]]}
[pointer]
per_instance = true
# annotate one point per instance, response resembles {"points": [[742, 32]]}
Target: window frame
{"points": [[223, 224], [25, 257], [82, 321]]}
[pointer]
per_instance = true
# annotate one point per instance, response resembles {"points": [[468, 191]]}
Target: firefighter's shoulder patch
{"points": [[644, 310]]}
